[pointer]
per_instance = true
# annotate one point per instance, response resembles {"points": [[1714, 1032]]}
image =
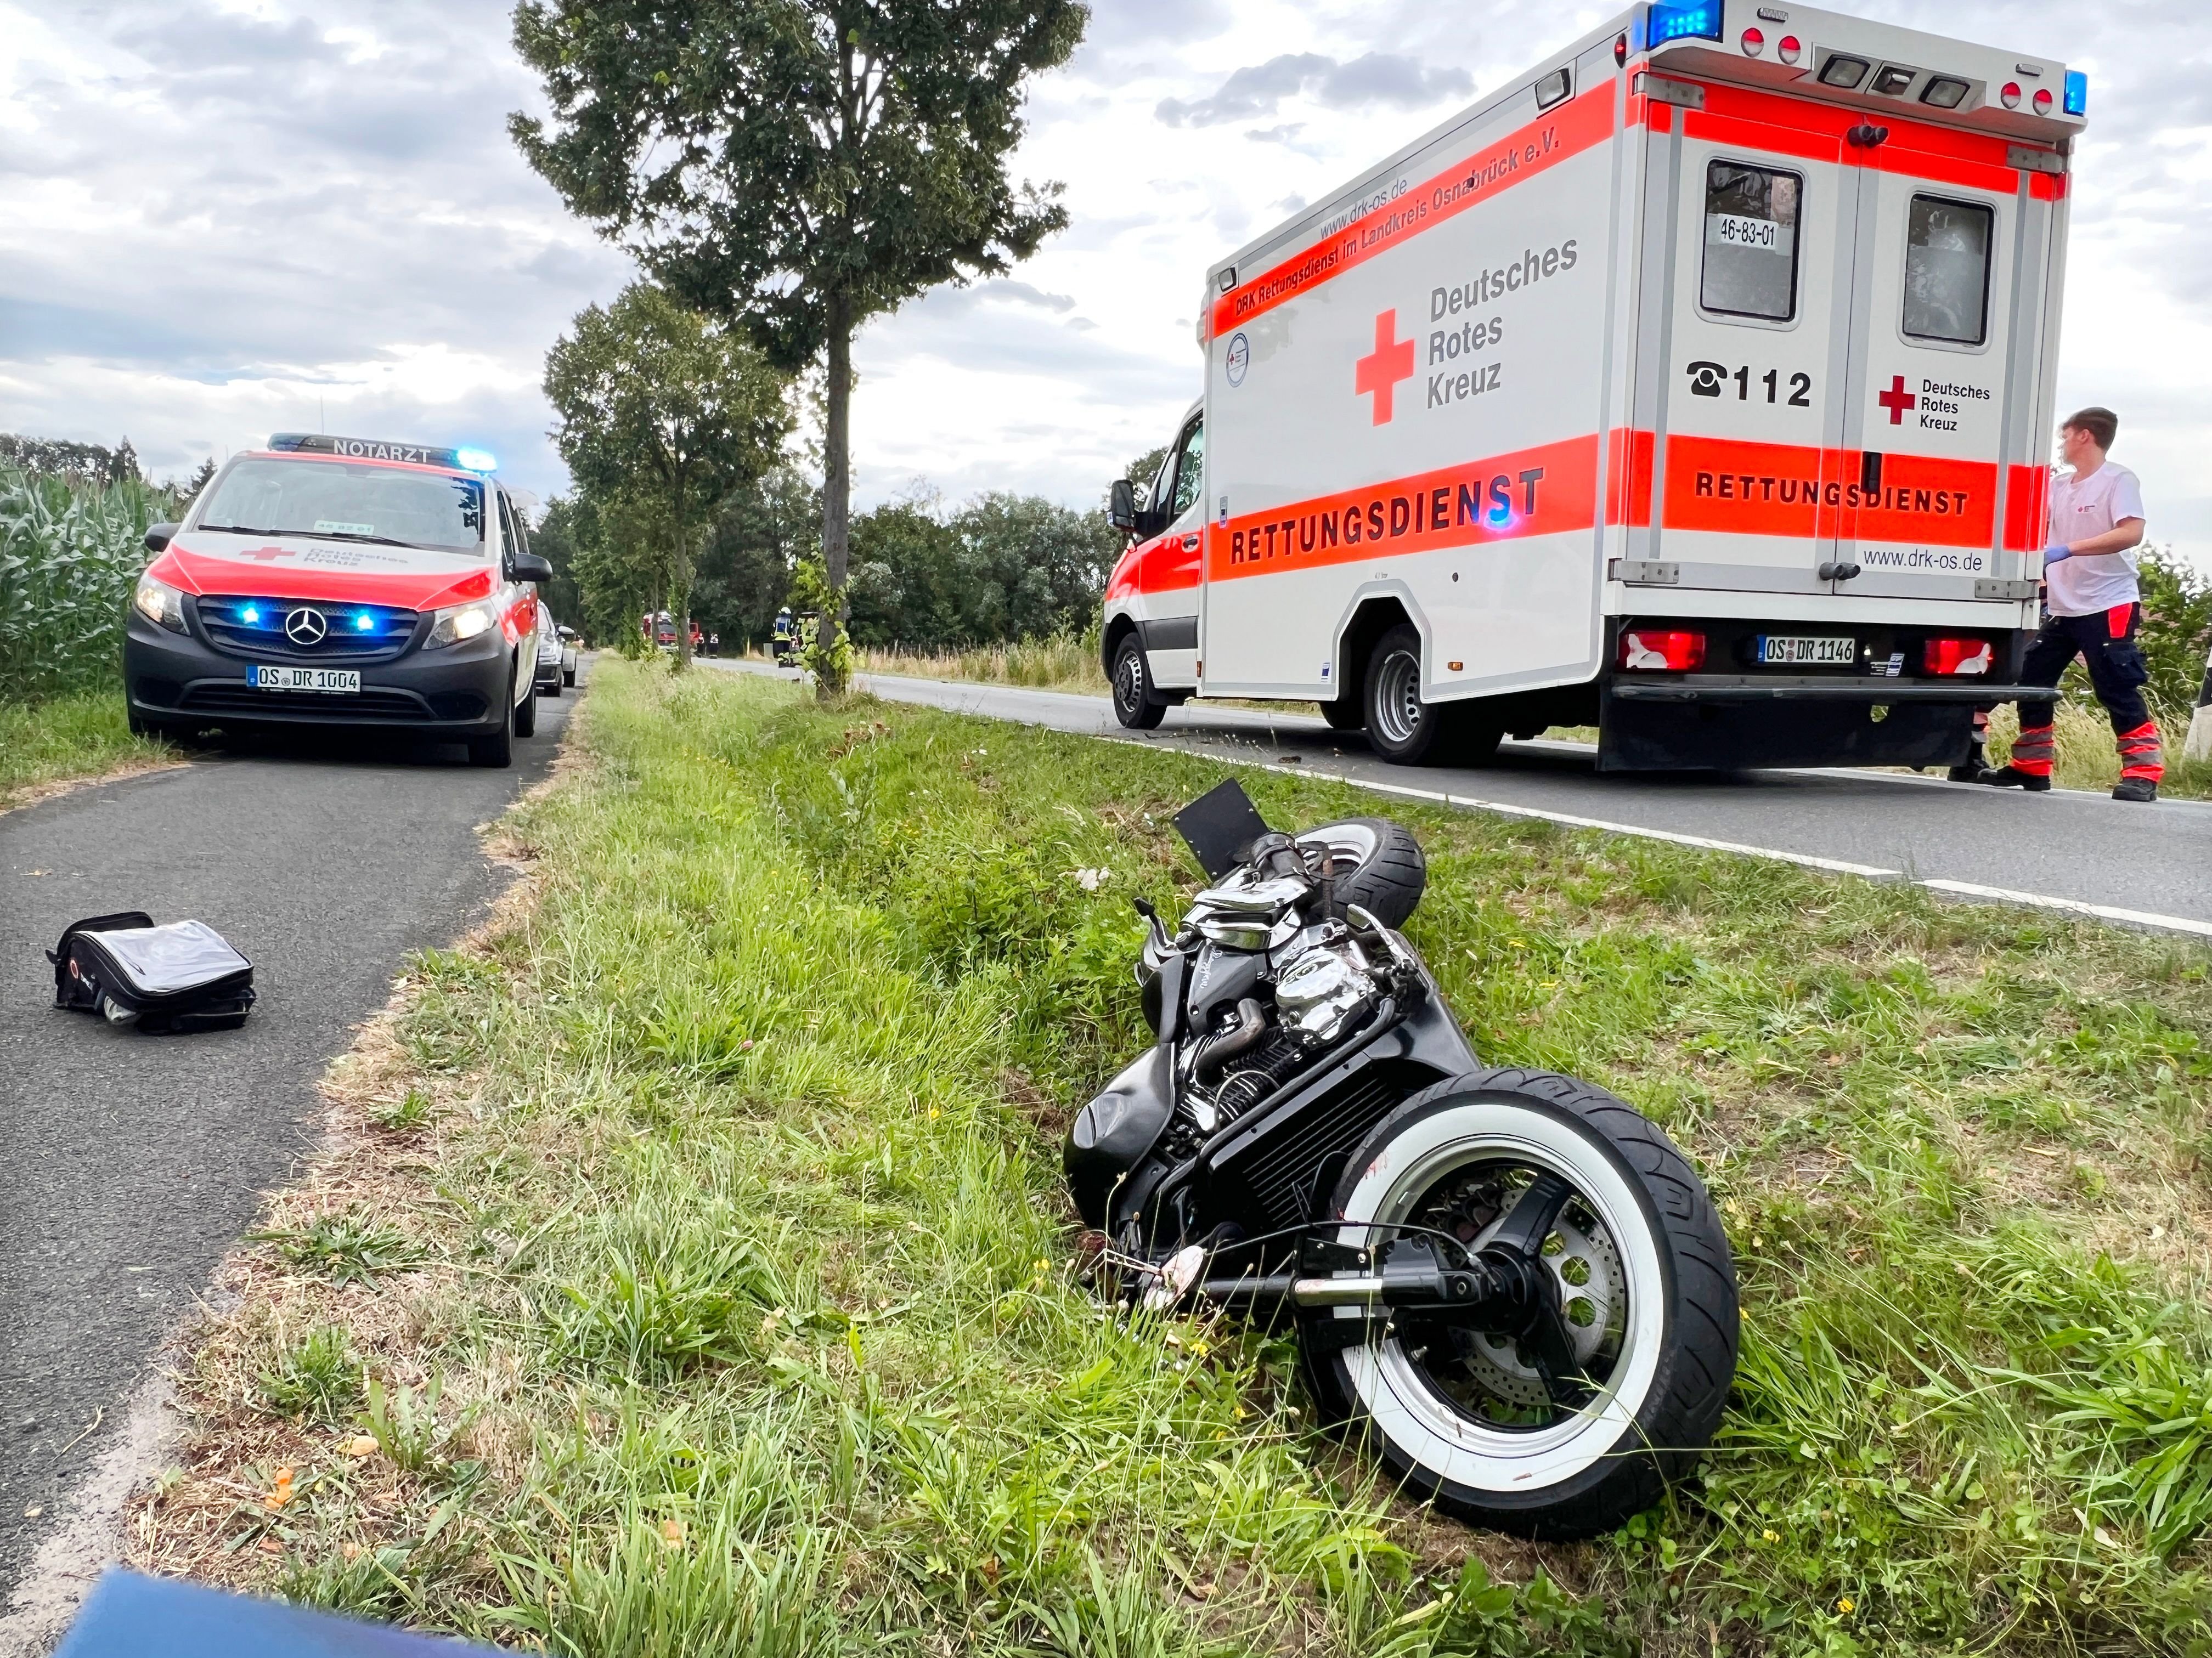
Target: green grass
{"points": [[85, 734], [746, 1277]]}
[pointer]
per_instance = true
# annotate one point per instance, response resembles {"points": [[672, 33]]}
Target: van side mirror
{"points": [[1122, 505], [528, 567], [158, 537]]}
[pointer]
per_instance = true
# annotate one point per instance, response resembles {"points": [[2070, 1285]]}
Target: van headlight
{"points": [[460, 622], [159, 604]]}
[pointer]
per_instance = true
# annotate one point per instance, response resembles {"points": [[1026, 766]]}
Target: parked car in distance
{"points": [[551, 651]]}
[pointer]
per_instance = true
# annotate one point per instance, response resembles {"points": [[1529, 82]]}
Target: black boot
{"points": [[2011, 777], [2136, 788], [1970, 769]]}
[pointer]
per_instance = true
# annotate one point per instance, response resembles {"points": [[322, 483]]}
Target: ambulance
{"points": [[342, 582], [1697, 386]]}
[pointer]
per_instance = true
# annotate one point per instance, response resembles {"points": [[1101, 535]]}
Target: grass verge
{"points": [[67, 738], [689, 1273]]}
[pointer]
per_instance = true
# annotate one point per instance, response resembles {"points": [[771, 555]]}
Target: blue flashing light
{"points": [[250, 616], [364, 622], [2077, 92], [1701, 20], [477, 461]]}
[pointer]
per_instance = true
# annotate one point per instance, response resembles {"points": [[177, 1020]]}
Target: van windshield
{"points": [[347, 503]]}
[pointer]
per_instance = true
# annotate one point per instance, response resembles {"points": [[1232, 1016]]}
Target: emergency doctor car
{"points": [[1695, 386], [342, 582]]}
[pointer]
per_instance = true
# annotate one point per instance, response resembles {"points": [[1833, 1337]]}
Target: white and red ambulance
{"points": [[343, 582], [1696, 386]]}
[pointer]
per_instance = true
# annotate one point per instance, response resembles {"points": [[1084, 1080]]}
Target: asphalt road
{"points": [[131, 1162], [2149, 865]]}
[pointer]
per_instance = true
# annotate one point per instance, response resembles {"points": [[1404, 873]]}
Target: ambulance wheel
{"points": [[1344, 714], [526, 714], [1136, 705], [1401, 727]]}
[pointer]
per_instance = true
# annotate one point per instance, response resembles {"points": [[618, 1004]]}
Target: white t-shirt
{"points": [[2081, 507]]}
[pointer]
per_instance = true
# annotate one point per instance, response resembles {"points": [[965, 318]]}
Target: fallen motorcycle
{"points": [[1507, 1283]]}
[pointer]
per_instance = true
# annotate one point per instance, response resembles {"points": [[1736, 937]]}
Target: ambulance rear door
{"points": [[1750, 298], [1941, 420]]}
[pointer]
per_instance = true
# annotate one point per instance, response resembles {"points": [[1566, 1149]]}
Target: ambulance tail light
{"points": [[1661, 650], [1956, 657], [2009, 97], [1680, 19], [2042, 100], [1753, 42], [1787, 48]]}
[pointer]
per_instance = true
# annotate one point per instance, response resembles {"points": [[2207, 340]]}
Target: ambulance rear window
{"points": [[1947, 270], [1751, 242], [347, 500]]}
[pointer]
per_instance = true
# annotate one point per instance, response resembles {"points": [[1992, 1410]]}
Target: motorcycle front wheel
{"points": [[1646, 1291]]}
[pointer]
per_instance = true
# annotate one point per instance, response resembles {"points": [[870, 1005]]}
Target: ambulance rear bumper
{"points": [[1718, 722], [1728, 688]]}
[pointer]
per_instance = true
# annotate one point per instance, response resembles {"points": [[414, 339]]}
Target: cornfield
{"points": [[70, 552]]}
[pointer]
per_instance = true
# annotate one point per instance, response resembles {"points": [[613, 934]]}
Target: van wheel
{"points": [[1135, 703], [526, 716], [498, 749]]}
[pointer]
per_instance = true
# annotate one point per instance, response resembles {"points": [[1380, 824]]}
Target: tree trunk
{"points": [[681, 567], [836, 486]]}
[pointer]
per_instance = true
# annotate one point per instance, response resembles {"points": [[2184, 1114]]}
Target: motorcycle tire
{"points": [[1648, 1288], [1373, 863]]}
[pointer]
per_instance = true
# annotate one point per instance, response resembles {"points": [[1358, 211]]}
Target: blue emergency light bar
{"points": [[2076, 101], [416, 455], [1697, 20]]}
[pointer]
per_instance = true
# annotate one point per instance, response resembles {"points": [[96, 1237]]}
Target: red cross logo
{"points": [[1391, 362], [1897, 400]]}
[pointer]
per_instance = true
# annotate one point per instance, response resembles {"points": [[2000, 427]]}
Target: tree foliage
{"points": [[1003, 567], [661, 414], [798, 166]]}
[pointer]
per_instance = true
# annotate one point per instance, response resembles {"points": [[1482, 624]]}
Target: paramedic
{"points": [[2095, 607], [780, 635]]}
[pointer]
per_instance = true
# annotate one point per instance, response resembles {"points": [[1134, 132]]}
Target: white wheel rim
{"points": [[1352, 843], [1417, 1418], [1398, 697]]}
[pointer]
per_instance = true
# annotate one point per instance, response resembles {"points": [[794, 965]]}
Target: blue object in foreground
{"points": [[131, 1616]]}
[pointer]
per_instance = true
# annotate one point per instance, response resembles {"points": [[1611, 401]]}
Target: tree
{"points": [[658, 404], [798, 166]]}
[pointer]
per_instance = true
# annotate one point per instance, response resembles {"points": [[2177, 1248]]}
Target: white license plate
{"points": [[1799, 650], [338, 680]]}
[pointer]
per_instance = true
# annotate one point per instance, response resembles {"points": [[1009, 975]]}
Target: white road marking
{"points": [[2103, 912]]}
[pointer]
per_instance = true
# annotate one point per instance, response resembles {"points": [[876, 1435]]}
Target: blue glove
{"points": [[2053, 554]]}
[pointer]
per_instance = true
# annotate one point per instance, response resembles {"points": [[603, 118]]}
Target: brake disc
{"points": [[1586, 1268]]}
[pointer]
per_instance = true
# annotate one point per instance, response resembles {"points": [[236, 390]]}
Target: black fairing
{"points": [[1112, 1133], [1221, 979]]}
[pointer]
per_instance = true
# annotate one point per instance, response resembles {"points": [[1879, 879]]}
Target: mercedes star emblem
{"points": [[306, 626]]}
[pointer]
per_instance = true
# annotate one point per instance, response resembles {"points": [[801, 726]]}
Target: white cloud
{"points": [[220, 217]]}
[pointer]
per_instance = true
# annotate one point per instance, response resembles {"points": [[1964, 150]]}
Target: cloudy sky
{"points": [[223, 217]]}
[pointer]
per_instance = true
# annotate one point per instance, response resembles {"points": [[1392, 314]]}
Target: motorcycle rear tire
{"points": [[1377, 864], [1662, 1397]]}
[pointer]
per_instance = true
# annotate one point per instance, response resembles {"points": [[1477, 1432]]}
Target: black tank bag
{"points": [[184, 976]]}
